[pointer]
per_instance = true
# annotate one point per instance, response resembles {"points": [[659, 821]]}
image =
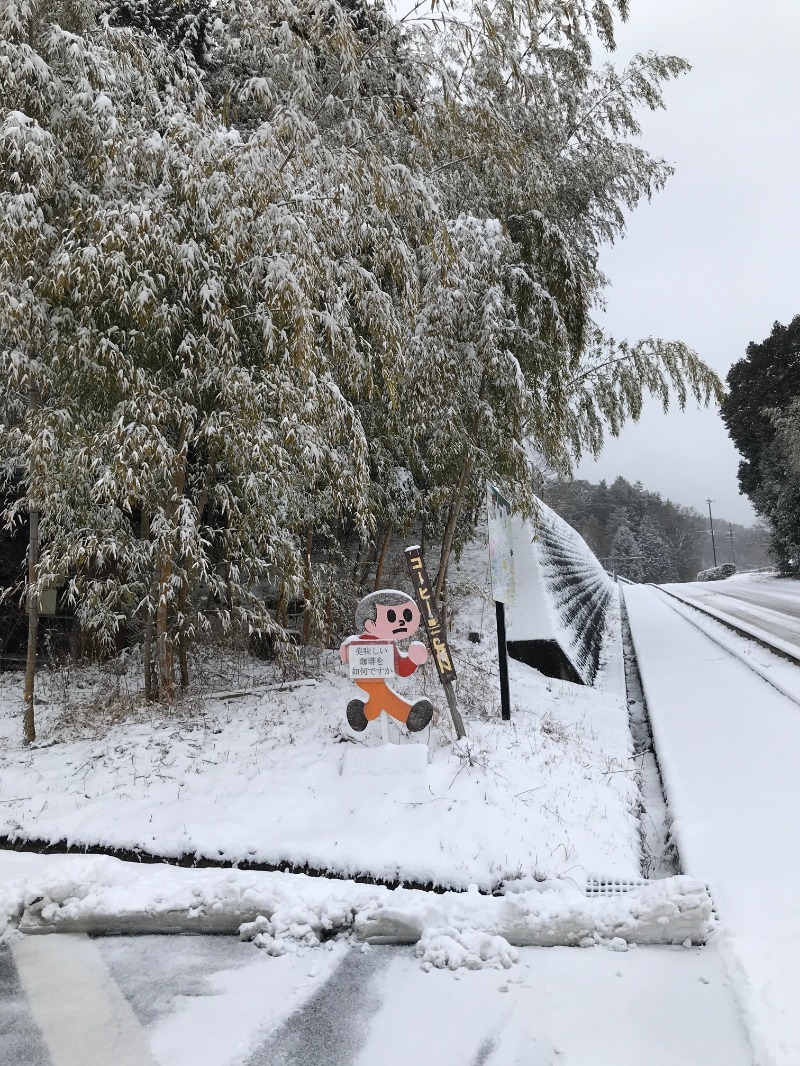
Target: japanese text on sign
{"points": [[369, 659], [430, 616]]}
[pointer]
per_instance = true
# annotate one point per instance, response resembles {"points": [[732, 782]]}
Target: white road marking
{"points": [[84, 1018]]}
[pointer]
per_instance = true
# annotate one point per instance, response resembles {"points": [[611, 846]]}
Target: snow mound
{"points": [[287, 931], [553, 913], [385, 759], [284, 912], [468, 949]]}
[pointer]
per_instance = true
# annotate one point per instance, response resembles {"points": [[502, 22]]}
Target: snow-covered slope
{"points": [[566, 597], [262, 777]]}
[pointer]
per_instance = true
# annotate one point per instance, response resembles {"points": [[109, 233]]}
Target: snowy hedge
{"points": [[563, 595], [717, 573]]}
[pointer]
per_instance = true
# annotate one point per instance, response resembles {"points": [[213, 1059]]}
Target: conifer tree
{"points": [[626, 556], [657, 564], [760, 412]]}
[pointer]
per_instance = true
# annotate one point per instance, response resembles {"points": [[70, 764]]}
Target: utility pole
{"points": [[730, 538], [711, 520]]}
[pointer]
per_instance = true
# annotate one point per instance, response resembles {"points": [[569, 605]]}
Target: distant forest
{"points": [[643, 537]]}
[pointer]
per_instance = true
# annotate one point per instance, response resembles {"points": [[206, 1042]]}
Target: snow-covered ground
{"points": [[262, 778], [728, 746], [529, 809]]}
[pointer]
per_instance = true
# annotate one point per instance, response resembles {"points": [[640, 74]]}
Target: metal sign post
{"points": [[437, 638], [501, 564]]}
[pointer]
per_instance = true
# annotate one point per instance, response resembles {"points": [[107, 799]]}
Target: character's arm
{"points": [[344, 650], [405, 665]]}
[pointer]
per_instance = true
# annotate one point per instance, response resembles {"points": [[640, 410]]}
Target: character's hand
{"points": [[417, 652], [344, 652]]}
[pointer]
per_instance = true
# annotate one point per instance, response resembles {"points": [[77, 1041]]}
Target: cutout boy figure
{"points": [[388, 616]]}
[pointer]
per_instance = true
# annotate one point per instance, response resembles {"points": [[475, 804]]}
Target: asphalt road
{"points": [[771, 605], [213, 1001]]}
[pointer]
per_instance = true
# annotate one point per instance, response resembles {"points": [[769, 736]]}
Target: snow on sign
{"points": [[370, 659], [501, 556], [383, 618]]}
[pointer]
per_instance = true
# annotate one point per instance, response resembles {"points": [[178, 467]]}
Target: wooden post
{"points": [[435, 631], [455, 714]]}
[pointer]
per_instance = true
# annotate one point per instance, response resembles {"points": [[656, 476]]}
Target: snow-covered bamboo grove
{"points": [[281, 281]]}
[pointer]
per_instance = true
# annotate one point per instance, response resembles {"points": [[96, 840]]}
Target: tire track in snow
{"points": [[331, 1027]]}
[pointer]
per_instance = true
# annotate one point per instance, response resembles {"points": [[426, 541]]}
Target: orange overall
{"points": [[379, 696]]}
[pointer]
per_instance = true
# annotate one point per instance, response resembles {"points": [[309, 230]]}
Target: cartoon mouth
{"points": [[400, 629]]}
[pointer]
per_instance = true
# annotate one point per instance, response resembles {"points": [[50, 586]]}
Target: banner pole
{"points": [[502, 655], [501, 569]]}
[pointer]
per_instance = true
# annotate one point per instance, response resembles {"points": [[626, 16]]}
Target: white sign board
{"points": [[501, 555], [370, 659]]}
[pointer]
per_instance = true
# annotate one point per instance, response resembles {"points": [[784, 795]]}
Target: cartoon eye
{"points": [[391, 615], [408, 614]]}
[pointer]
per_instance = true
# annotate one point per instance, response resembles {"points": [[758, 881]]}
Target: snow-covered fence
{"points": [[563, 596]]}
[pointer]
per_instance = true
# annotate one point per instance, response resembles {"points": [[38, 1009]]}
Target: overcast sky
{"points": [[713, 261]]}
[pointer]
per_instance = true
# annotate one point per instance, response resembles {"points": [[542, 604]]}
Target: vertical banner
{"points": [[437, 638], [424, 592], [501, 566], [501, 553]]}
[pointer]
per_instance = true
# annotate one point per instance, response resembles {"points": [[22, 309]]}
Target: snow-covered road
{"points": [[213, 1001], [767, 605], [729, 749]]}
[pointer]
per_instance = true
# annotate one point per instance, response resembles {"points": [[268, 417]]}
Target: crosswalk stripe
{"points": [[83, 1016]]}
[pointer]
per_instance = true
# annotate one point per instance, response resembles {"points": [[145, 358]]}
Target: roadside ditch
{"points": [[660, 856]]}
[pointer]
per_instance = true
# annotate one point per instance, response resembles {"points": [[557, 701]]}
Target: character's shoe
{"points": [[419, 716], [356, 718]]}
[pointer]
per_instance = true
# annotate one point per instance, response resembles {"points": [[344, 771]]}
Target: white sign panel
{"points": [[369, 659], [501, 555]]}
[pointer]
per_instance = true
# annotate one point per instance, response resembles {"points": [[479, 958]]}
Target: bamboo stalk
{"points": [[33, 628], [387, 540], [307, 590], [32, 603]]}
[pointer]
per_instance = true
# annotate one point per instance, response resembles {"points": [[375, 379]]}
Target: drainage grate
{"points": [[613, 887]]}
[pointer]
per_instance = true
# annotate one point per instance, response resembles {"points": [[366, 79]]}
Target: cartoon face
{"points": [[396, 622]]}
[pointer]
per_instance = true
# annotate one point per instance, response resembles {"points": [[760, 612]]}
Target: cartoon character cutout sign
{"points": [[383, 618]]}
